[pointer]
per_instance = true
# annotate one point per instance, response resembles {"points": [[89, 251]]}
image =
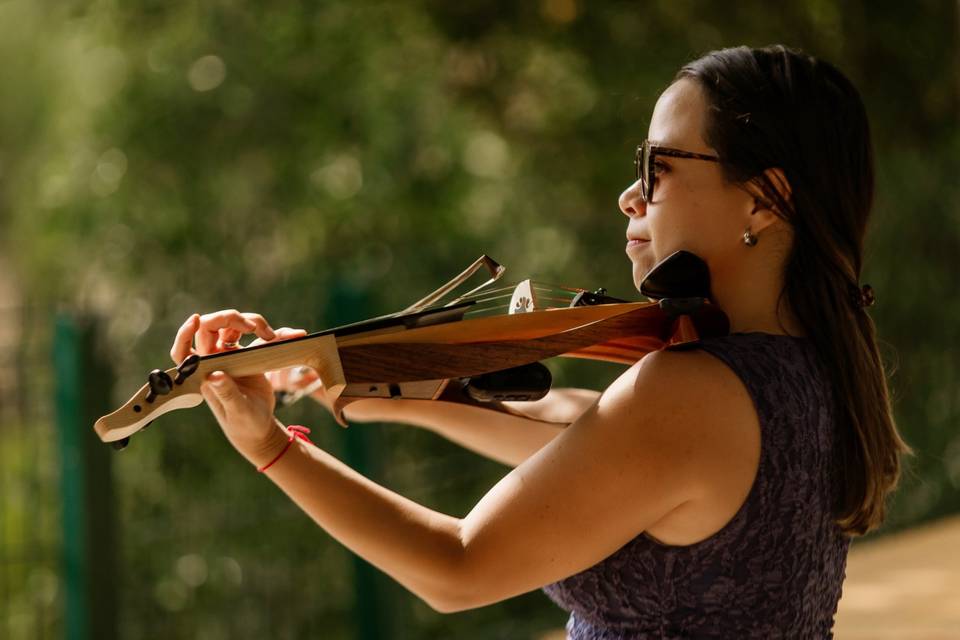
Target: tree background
{"points": [[323, 162]]}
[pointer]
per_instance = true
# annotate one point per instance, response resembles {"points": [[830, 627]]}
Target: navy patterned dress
{"points": [[775, 570]]}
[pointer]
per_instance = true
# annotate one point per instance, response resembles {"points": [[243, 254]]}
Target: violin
{"points": [[473, 349]]}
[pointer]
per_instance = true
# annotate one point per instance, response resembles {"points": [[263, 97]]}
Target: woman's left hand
{"points": [[243, 406]]}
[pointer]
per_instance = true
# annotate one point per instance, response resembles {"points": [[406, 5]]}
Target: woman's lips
{"points": [[636, 242]]}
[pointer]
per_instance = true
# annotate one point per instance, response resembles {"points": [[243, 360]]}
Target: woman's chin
{"points": [[640, 271]]}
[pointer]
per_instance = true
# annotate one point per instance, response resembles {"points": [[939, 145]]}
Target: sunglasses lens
{"points": [[645, 184]]}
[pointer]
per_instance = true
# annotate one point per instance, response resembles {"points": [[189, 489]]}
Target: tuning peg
{"points": [[187, 368], [160, 384], [120, 444]]}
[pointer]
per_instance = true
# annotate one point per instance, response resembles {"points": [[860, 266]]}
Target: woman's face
{"points": [[692, 208]]}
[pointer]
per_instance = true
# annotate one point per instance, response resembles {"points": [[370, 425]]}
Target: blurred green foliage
{"points": [[158, 158]]}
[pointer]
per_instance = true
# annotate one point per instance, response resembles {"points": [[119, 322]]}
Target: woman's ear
{"points": [[764, 199]]}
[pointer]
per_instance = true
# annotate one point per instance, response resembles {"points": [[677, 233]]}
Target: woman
{"points": [[707, 492]]}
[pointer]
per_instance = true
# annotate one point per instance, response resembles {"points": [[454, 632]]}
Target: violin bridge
{"points": [[524, 299]]}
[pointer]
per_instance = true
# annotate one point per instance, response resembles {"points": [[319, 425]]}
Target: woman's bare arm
{"points": [[509, 439]]}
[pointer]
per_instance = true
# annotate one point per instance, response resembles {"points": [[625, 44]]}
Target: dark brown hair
{"points": [[777, 107]]}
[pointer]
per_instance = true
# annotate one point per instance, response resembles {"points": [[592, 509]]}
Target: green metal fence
{"points": [[31, 592], [84, 381], [174, 537]]}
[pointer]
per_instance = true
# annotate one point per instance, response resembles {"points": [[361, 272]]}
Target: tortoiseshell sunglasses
{"points": [[644, 162]]}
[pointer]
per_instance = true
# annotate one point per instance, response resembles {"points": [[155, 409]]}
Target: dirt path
{"points": [[904, 586]]}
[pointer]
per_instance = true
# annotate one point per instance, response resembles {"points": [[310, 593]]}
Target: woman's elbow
{"points": [[447, 605], [456, 601]]}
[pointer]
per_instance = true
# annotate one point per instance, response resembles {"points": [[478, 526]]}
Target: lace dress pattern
{"points": [[775, 570]]}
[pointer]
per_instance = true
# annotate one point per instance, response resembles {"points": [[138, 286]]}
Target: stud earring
{"points": [[748, 238]]}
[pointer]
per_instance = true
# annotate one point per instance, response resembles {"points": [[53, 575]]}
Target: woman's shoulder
{"points": [[691, 404], [712, 386], [695, 412], [691, 376], [691, 391]]}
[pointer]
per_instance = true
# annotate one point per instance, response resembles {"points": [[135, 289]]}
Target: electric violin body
{"points": [[453, 352]]}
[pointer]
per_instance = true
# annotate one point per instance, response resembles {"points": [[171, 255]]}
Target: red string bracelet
{"points": [[296, 431]]}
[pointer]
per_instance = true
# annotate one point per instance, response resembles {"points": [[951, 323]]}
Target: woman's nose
{"points": [[631, 204]]}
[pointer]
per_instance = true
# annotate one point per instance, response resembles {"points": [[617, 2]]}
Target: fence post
{"points": [[84, 380], [371, 606]]}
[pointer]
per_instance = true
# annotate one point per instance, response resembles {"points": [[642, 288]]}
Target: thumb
{"points": [[224, 387]]}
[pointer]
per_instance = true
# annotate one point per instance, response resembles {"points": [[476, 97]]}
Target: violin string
{"points": [[509, 287], [560, 287], [499, 308], [510, 295], [567, 292], [536, 284], [483, 294], [491, 298], [492, 304]]}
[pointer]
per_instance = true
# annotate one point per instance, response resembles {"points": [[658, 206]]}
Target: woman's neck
{"points": [[751, 301]]}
